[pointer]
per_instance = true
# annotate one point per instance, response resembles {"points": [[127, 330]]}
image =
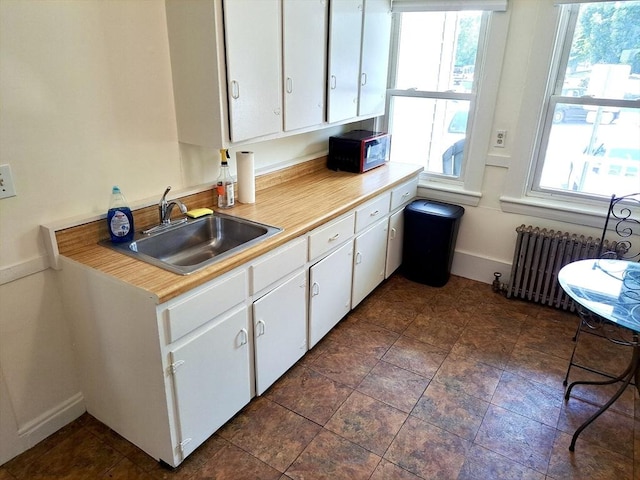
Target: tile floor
{"points": [[417, 382]]}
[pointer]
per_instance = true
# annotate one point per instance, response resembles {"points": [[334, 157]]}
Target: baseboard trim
{"points": [[471, 266], [51, 421]]}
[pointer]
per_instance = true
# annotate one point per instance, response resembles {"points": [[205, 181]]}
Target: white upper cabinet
{"points": [[254, 59], [376, 38], [345, 31], [304, 29]]}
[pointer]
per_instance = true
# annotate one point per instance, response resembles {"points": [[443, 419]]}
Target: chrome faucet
{"points": [[165, 207]]}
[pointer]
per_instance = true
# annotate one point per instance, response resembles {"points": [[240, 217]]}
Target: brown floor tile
{"points": [[600, 394], [533, 400], [428, 451], [271, 433], [393, 316], [451, 410], [193, 463], [549, 335], [343, 364], [611, 430], [331, 457], [389, 471], [394, 386], [483, 464], [367, 422], [232, 463], [308, 393], [469, 376], [587, 462], [415, 356], [81, 455], [437, 327], [601, 354], [487, 345], [538, 366], [367, 339], [516, 437], [19, 465], [127, 470], [5, 475]]}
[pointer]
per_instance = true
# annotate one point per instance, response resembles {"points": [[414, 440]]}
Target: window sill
{"points": [[579, 214], [447, 192]]}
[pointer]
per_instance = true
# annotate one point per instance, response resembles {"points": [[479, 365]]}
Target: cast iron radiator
{"points": [[539, 255]]}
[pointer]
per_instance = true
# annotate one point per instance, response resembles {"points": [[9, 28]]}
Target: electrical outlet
{"points": [[500, 138], [7, 189]]}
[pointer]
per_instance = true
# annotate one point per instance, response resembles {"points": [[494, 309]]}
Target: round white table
{"points": [[610, 289]]}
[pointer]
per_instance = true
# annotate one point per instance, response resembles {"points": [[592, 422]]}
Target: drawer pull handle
{"points": [[244, 338], [374, 213], [358, 258], [260, 328], [315, 289], [335, 237], [405, 194], [393, 234]]}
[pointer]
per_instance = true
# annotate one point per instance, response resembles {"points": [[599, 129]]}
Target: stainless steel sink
{"points": [[196, 244]]}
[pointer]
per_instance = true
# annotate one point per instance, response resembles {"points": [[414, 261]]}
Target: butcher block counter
{"points": [[297, 200]]}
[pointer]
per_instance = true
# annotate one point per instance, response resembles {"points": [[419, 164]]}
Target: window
{"points": [[589, 143], [433, 90]]}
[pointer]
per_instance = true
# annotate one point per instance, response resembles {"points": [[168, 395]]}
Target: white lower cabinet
{"points": [[211, 378], [329, 291], [395, 238], [280, 330], [369, 257]]}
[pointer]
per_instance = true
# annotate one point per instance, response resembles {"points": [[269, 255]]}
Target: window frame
{"points": [[559, 70], [465, 189]]}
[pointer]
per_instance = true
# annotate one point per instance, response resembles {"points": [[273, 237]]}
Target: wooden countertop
{"points": [[297, 206]]}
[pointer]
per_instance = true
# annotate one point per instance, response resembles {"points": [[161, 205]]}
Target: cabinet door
{"points": [[212, 380], [280, 329], [305, 58], [369, 261], [376, 38], [345, 29], [330, 291], [254, 78], [394, 243]]}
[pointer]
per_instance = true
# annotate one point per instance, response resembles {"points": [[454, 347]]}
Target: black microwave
{"points": [[358, 151]]}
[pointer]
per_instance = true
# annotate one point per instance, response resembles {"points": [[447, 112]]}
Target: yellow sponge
{"points": [[199, 212]]}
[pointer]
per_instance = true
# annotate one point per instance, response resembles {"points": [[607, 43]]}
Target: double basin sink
{"points": [[195, 244]]}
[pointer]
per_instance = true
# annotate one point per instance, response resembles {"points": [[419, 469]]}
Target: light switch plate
{"points": [[7, 189]]}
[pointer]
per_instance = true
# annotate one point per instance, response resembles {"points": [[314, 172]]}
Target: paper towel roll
{"points": [[246, 177]]}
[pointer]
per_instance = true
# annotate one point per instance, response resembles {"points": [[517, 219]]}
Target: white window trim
{"points": [[518, 196], [468, 189]]}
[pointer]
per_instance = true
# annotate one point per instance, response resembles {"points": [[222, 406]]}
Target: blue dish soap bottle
{"points": [[119, 218]]}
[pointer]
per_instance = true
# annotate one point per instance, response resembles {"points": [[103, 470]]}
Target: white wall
{"points": [[87, 103]]}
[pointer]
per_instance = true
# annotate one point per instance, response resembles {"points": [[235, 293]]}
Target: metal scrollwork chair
{"points": [[620, 240]]}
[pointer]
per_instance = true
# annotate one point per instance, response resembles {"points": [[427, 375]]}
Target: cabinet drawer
{"points": [[329, 236], [403, 193], [278, 264], [197, 309], [372, 211]]}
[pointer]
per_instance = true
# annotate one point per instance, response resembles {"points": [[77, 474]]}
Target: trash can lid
{"points": [[436, 208]]}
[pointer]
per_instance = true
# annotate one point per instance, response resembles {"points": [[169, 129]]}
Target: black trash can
{"points": [[430, 232]]}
